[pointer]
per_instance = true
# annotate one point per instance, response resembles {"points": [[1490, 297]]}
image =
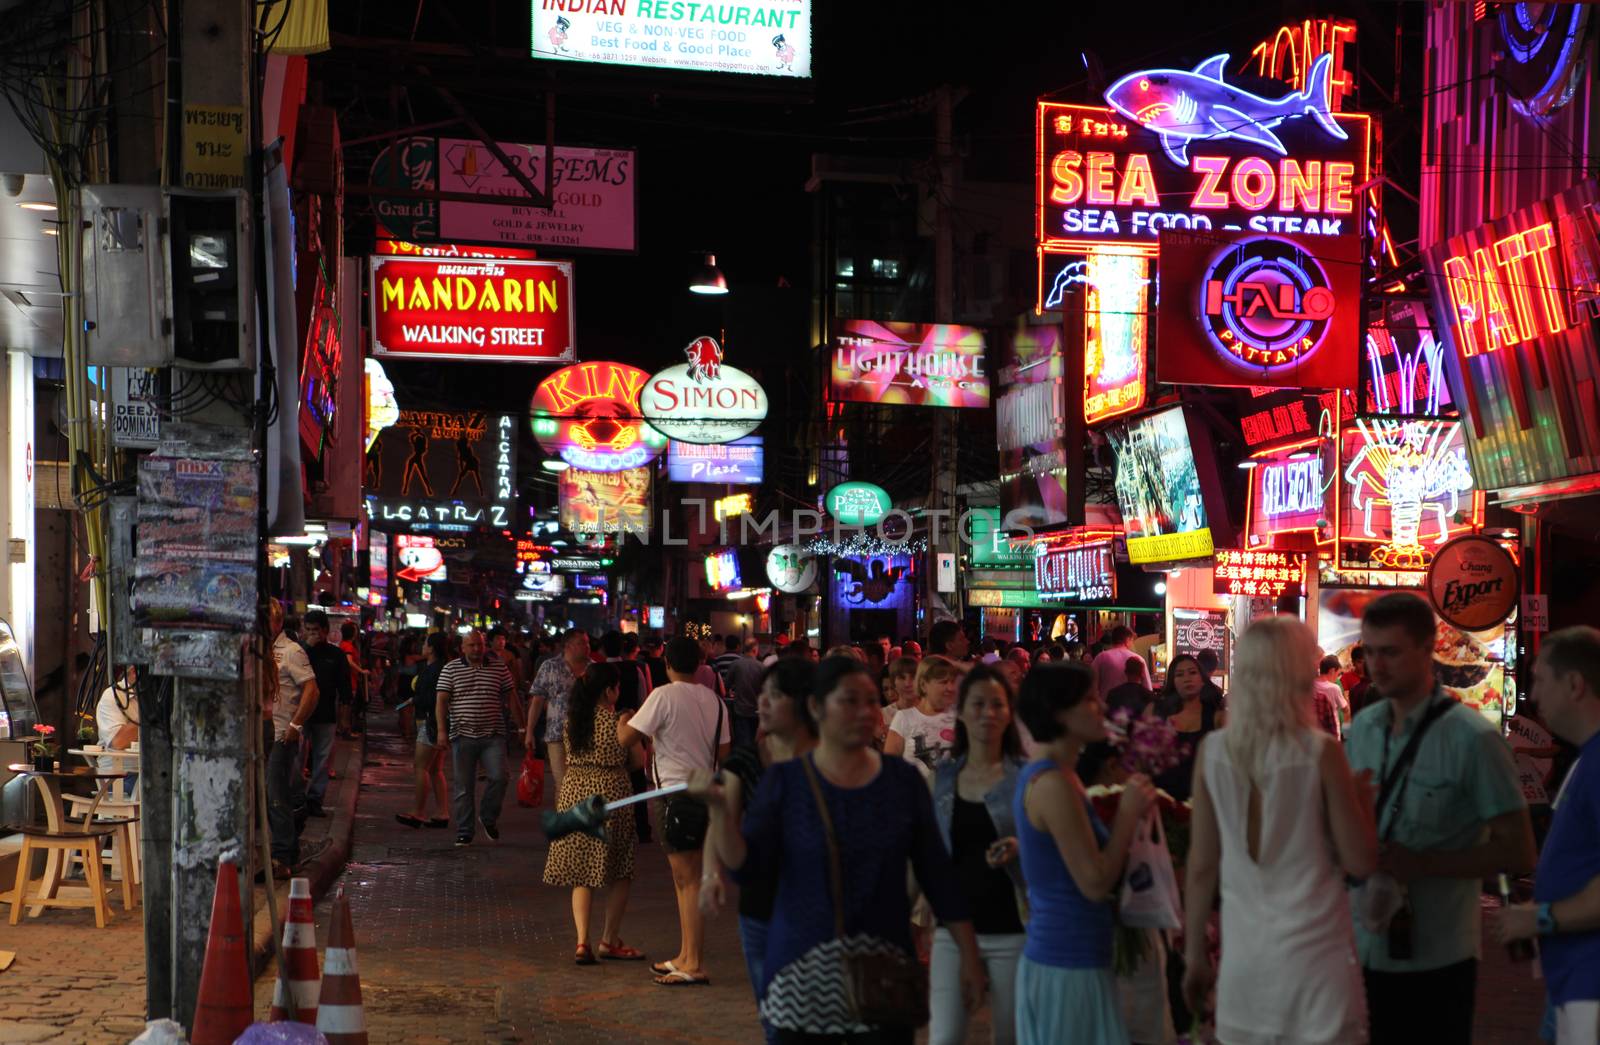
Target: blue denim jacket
{"points": [[997, 801]]}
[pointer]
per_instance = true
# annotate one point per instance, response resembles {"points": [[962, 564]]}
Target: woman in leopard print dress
{"points": [[596, 765]]}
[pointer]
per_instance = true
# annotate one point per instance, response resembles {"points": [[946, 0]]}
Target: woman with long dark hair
{"points": [[972, 797], [1181, 704], [837, 827], [596, 765], [787, 732], [1065, 987], [432, 742]]}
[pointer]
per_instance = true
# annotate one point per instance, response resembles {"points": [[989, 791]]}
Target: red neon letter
{"points": [[1138, 183], [1540, 242], [1300, 188], [1509, 252], [1259, 196], [1501, 331], [1339, 187], [1210, 169], [1068, 187], [1462, 285], [1102, 169]]}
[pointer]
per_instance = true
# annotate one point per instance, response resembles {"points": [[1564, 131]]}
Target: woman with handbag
{"points": [[1065, 987], [972, 795], [833, 826], [596, 765], [1279, 821]]}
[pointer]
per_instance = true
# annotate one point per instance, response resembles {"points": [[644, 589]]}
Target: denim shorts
{"points": [[425, 733]]}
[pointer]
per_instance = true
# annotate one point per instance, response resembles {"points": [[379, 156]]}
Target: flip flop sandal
{"points": [[438, 821], [620, 953], [663, 968], [408, 820], [679, 978], [584, 956]]}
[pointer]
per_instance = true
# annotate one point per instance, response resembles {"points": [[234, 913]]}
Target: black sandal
{"points": [[409, 820], [584, 956], [438, 821]]}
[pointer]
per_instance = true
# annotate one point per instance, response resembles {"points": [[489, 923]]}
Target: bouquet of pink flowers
{"points": [[1150, 744]]}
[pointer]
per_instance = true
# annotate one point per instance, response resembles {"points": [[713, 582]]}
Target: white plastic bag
{"points": [[1149, 885]]}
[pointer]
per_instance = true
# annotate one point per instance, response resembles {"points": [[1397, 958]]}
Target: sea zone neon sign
{"points": [[1193, 159]]}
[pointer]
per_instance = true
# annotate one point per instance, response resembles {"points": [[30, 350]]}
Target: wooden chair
{"points": [[123, 856], [86, 842]]}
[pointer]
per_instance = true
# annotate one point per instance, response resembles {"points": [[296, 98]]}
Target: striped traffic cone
{"points": [[297, 959], [226, 1002], [340, 1016]]}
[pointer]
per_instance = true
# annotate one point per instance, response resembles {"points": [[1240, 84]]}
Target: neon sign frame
{"points": [[1116, 326], [1409, 469]]}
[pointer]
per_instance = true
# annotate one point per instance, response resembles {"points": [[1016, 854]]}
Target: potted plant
{"points": [[43, 750], [88, 732]]}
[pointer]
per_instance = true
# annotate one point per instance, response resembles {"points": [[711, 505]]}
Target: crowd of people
{"points": [[911, 837]]}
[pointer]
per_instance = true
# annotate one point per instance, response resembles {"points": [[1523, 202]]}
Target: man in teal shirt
{"points": [[1452, 818]]}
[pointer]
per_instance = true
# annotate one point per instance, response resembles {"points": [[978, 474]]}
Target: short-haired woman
{"points": [[924, 734], [1072, 864], [876, 813], [1270, 792], [972, 800], [596, 765]]}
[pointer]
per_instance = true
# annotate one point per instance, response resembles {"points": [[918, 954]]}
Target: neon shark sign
{"points": [[1182, 106]]}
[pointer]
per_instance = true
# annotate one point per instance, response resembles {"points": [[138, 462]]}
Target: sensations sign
{"points": [[910, 364], [588, 415], [1187, 149], [489, 310], [703, 400], [734, 36], [1262, 310]]}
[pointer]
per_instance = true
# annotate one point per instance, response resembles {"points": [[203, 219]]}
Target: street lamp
{"points": [[709, 280]]}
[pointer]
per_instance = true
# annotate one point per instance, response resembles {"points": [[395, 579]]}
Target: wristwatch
{"points": [[1547, 920]]}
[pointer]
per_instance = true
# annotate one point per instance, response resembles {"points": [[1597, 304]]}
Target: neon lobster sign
{"points": [[1406, 482]]}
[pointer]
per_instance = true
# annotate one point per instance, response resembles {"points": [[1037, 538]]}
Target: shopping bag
{"points": [[530, 783], [1150, 886]]}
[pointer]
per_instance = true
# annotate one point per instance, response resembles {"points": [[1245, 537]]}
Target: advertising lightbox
{"points": [[435, 468], [1293, 491], [759, 37], [1087, 572], [1116, 331], [588, 415], [468, 309], [418, 558], [909, 364], [704, 400], [1165, 491], [722, 570], [740, 461], [1407, 491], [605, 502], [1030, 419], [1259, 574]]}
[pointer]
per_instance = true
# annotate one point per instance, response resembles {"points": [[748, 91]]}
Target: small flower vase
{"points": [[44, 763]]}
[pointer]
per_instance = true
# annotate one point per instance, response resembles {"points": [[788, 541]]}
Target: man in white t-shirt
{"points": [[1111, 666], [116, 719], [688, 727], [1327, 685]]}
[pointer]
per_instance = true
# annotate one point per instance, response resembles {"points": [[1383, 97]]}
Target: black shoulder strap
{"points": [[716, 737], [1408, 753]]}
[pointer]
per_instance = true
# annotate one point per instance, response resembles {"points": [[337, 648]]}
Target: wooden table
{"points": [[49, 785]]}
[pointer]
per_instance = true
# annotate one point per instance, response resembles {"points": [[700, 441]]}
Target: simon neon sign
{"points": [[1184, 149]]}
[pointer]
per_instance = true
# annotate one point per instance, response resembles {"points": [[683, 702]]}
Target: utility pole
{"points": [[198, 782], [942, 496]]}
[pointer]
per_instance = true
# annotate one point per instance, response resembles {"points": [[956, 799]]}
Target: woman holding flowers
{"points": [[1270, 790], [1072, 864], [1192, 717]]}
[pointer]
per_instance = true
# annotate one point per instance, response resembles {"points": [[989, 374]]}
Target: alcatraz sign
{"points": [[1185, 149]]}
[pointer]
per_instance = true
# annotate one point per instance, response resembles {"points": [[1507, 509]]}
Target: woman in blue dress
{"points": [[1065, 987]]}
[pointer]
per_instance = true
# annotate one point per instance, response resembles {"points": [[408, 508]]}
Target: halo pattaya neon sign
{"points": [[588, 415], [1413, 472], [1266, 302]]}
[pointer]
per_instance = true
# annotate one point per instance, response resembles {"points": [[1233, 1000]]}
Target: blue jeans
{"points": [[753, 938], [283, 776], [465, 755], [319, 736]]}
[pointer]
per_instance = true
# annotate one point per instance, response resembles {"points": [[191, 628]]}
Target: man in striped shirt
{"points": [[473, 694]]}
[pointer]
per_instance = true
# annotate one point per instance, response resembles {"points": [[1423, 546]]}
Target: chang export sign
{"points": [[766, 37], [857, 504], [704, 400], [1472, 583], [486, 310], [588, 415]]}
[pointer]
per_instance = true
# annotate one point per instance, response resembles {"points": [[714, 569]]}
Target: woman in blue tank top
{"points": [[1072, 864]]}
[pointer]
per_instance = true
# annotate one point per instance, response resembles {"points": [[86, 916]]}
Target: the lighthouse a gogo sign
{"points": [[704, 400]]}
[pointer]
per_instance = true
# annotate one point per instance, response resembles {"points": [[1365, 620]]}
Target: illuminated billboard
{"points": [[1159, 487], [739, 36], [1030, 422], [1186, 149], [722, 570], [1407, 491], [435, 468], [466, 309], [1516, 299], [605, 502], [1087, 572], [740, 461], [588, 415], [418, 558], [1259, 310], [1116, 331], [1293, 491], [703, 400], [1403, 371], [1259, 574], [909, 364]]}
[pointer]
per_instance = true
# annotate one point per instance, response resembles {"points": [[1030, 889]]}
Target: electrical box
{"points": [[212, 251], [127, 303]]}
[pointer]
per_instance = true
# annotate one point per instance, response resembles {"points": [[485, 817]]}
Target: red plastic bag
{"points": [[530, 784]]}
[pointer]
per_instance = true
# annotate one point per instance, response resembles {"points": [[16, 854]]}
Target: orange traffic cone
{"points": [[340, 1015], [226, 1002], [297, 977]]}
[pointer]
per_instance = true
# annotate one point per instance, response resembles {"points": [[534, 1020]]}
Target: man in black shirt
{"points": [[1132, 695], [332, 668], [634, 685]]}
